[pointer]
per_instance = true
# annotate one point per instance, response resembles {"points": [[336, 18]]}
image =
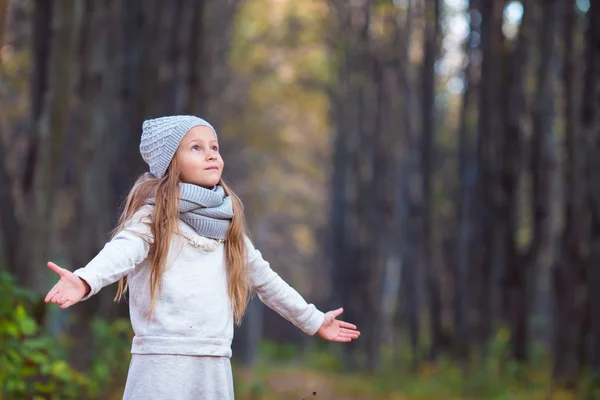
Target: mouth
{"points": [[211, 169]]}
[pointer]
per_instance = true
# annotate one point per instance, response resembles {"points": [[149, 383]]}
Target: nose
{"points": [[211, 156]]}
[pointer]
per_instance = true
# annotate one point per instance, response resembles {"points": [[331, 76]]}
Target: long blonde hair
{"points": [[165, 223]]}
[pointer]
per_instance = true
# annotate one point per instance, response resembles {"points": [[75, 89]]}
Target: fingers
{"points": [[349, 333], [56, 268], [49, 295], [67, 304], [347, 336], [347, 325], [342, 339], [63, 302], [52, 293], [57, 298]]}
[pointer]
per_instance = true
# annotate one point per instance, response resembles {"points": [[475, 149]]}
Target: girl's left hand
{"points": [[337, 331]]}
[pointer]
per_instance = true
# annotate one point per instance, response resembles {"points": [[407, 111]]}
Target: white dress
{"points": [[180, 377]]}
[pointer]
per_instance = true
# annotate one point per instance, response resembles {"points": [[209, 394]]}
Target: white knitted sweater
{"points": [[193, 314]]}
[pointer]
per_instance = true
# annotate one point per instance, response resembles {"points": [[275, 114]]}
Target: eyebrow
{"points": [[200, 140]]}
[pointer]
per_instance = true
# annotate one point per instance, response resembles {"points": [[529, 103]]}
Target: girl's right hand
{"points": [[69, 290]]}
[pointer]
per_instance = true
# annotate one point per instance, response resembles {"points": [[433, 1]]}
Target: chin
{"points": [[208, 185]]}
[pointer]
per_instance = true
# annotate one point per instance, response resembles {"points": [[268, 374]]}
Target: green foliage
{"points": [[113, 342], [326, 361], [249, 389], [32, 364], [275, 352]]}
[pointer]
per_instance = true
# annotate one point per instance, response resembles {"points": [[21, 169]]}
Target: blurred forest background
{"points": [[430, 165]]}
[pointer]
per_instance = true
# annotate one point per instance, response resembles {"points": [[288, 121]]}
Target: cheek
{"points": [[186, 166]]}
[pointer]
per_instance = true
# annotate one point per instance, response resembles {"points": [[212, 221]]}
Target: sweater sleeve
{"points": [[279, 296], [120, 255]]}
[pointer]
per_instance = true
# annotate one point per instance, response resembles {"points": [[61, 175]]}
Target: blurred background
{"points": [[430, 165]]}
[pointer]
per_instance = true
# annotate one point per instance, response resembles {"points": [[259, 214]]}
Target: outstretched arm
{"points": [[118, 257], [287, 302]]}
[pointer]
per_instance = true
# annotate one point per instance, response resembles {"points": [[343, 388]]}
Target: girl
{"points": [[182, 251]]}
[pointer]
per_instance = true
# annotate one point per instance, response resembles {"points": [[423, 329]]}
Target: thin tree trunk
{"points": [[543, 172], [8, 214], [213, 79], [410, 257], [487, 169], [515, 113], [569, 271], [432, 13], [382, 216], [408, 224], [467, 175], [590, 123], [362, 164], [194, 74], [3, 12], [8, 211], [340, 207], [249, 334]]}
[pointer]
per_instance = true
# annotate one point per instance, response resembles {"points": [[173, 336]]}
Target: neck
{"points": [[208, 187]]}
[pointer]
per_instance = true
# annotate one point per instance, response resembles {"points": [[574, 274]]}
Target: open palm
{"points": [[69, 290], [337, 331]]}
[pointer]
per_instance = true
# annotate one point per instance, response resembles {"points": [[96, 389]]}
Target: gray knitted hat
{"points": [[161, 138]]}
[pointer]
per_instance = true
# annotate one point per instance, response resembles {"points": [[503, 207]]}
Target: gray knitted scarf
{"points": [[208, 211]]}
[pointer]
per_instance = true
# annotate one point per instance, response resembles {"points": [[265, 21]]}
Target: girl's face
{"points": [[198, 158]]}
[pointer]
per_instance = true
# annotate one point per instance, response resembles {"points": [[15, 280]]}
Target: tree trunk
{"points": [[248, 335], [358, 268], [406, 203], [467, 175], [93, 215], [42, 27], [487, 169], [361, 250], [193, 80], [9, 223], [3, 9], [568, 274], [514, 302], [543, 173], [10, 229], [432, 13], [138, 49], [49, 158], [339, 181], [590, 124]]}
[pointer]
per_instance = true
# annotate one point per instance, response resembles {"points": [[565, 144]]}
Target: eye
{"points": [[215, 148], [195, 148]]}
